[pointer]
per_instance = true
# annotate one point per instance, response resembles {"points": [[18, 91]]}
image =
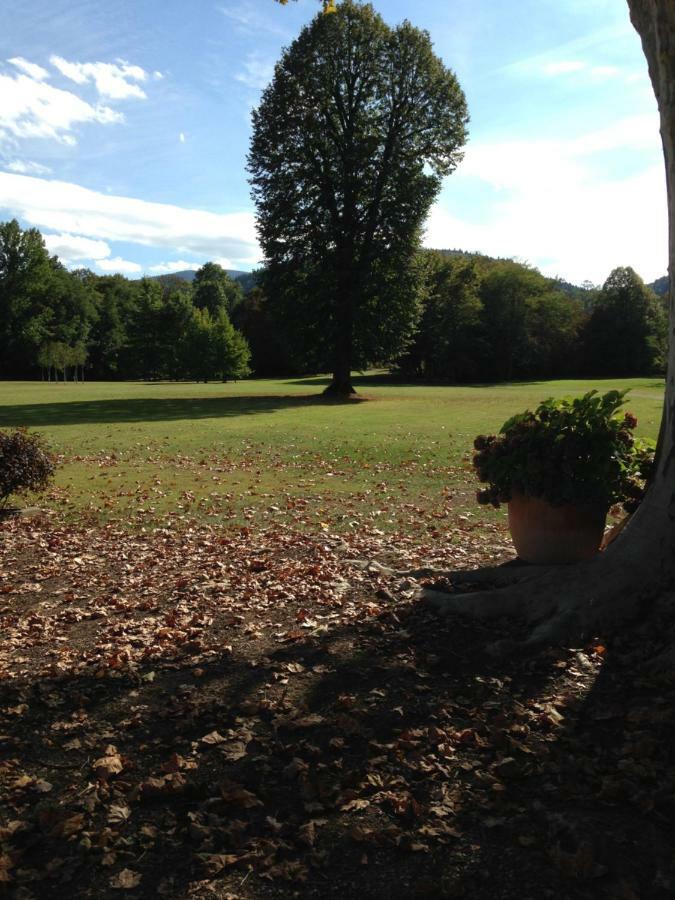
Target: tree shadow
{"points": [[385, 757], [326, 749], [89, 412]]}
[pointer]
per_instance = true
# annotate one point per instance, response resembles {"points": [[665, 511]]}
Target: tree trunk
{"points": [[654, 522], [341, 384], [574, 602]]}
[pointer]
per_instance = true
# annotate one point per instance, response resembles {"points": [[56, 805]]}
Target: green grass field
{"points": [[266, 451]]}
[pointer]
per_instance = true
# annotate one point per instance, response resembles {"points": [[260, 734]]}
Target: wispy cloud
{"points": [[26, 167], [247, 17], [563, 67], [116, 81], [119, 265], [35, 109], [29, 68], [575, 66], [68, 208], [73, 248], [591, 46], [257, 72], [176, 265]]}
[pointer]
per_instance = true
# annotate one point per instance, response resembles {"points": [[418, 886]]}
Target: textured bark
{"points": [[572, 602]]}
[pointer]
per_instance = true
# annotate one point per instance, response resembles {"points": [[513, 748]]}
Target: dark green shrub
{"points": [[566, 451], [25, 464]]}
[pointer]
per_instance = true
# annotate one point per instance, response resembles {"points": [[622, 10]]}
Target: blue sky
{"points": [[124, 129]]}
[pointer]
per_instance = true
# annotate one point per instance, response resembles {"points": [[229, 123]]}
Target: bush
{"points": [[566, 451], [25, 464]]}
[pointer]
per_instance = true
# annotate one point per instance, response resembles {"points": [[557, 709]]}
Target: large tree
{"points": [[350, 143]]}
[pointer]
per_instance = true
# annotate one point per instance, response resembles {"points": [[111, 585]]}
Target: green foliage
{"points": [[58, 320], [488, 319], [566, 451], [25, 312], [350, 143], [25, 464], [628, 330], [213, 289]]}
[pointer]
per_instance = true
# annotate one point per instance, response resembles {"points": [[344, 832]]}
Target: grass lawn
{"points": [[262, 451]]}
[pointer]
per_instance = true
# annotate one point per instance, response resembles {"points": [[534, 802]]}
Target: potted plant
{"points": [[560, 469]]}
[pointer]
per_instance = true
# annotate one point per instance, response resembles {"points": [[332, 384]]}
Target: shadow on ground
{"points": [[388, 758], [82, 412]]}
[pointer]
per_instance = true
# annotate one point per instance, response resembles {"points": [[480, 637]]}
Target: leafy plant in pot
{"points": [[560, 469]]}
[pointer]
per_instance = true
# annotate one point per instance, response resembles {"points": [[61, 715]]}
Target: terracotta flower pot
{"points": [[555, 535]]}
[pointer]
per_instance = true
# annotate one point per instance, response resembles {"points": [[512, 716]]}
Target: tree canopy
{"points": [[350, 142]]}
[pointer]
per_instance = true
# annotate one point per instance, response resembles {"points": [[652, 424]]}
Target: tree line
{"points": [[63, 323], [473, 318], [468, 318]]}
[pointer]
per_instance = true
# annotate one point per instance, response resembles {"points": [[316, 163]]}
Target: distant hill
{"points": [[660, 286], [246, 279], [582, 293]]}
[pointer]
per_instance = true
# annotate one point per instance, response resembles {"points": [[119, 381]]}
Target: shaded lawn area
{"points": [[230, 713]]}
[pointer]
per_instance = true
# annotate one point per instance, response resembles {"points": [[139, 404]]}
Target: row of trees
{"points": [[60, 321], [496, 320], [473, 319], [461, 318]]}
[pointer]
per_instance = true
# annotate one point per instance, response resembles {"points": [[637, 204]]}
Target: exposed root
{"points": [[491, 576], [561, 603]]}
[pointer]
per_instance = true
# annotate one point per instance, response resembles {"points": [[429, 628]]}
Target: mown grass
{"points": [[266, 451]]}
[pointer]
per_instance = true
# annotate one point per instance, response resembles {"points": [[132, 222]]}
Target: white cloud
{"points": [[177, 265], [64, 207], [589, 45], [157, 75], [72, 248], [28, 68], [605, 71], [26, 167], [568, 67], [257, 71], [549, 203], [118, 265], [115, 81], [564, 67], [34, 109]]}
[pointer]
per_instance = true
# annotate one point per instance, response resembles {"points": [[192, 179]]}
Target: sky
{"points": [[124, 129]]}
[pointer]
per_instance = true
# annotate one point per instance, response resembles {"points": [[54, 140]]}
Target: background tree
{"points": [[628, 332], [270, 354], [213, 289], [449, 342], [350, 143], [25, 274]]}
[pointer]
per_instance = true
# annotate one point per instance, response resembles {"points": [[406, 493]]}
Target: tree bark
{"points": [[654, 522], [341, 383]]}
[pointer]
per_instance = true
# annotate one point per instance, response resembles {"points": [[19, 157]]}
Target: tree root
{"points": [[490, 576], [561, 604]]}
